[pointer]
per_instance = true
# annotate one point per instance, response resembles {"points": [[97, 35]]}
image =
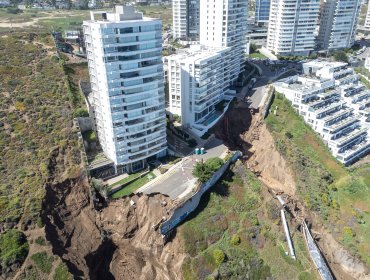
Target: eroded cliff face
{"points": [[118, 241]]}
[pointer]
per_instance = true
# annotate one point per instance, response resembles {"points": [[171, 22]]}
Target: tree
{"points": [[202, 172], [340, 56], [214, 163]]}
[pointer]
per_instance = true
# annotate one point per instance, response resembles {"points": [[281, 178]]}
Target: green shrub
{"points": [[235, 240], [218, 256], [89, 136], [203, 171], [40, 241], [43, 261], [80, 112], [62, 273], [13, 247]]}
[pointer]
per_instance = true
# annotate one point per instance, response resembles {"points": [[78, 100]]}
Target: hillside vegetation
{"points": [[236, 234], [339, 195], [37, 142]]}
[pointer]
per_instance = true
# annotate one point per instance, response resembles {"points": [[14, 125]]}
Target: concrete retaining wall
{"points": [[267, 105], [181, 212]]}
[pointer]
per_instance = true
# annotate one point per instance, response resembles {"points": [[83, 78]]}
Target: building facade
{"points": [[124, 52], [223, 23], [293, 26], [262, 12], [367, 19], [185, 19], [332, 100], [199, 79], [338, 21]]}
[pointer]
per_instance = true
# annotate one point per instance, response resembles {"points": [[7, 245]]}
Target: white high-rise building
{"points": [[223, 23], [199, 79], [293, 26], [367, 19], [185, 16], [124, 52], [338, 21]]}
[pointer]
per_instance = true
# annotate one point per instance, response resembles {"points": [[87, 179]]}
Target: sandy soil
{"points": [[266, 161], [119, 241]]}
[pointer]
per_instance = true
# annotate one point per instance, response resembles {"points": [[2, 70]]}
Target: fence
{"points": [[182, 211]]}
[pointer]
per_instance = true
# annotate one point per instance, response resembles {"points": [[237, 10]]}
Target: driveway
{"points": [[179, 181]]}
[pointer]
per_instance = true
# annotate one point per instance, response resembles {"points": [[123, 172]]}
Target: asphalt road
{"points": [[259, 89], [178, 181]]}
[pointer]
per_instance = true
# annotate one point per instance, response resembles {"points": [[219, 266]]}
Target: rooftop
{"points": [[120, 14], [324, 63], [197, 53]]}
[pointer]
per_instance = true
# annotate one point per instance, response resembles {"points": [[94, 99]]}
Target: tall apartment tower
{"points": [[338, 21], [367, 20], [223, 23], [124, 52], [262, 12], [293, 26], [185, 19]]}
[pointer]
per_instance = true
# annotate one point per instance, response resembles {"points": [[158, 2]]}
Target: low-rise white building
{"points": [[199, 78], [332, 100]]}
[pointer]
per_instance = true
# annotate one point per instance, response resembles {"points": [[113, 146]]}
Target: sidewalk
{"points": [[116, 179]]}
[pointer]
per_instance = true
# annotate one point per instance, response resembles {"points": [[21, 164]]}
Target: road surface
{"points": [[180, 181]]}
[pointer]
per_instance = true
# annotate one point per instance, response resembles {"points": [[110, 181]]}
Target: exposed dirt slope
{"points": [[117, 242], [266, 161], [249, 134]]}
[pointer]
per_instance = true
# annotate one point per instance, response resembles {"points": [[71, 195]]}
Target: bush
{"points": [[214, 163], [80, 112], [203, 171], [218, 256], [89, 136], [62, 273], [40, 241], [235, 240], [13, 248], [43, 261]]}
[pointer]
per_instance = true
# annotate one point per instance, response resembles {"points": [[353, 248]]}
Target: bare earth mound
{"points": [[116, 242], [268, 162]]}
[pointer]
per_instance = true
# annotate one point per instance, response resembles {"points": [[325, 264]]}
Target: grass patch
{"points": [[43, 261], [127, 179], [13, 248], [129, 189], [338, 194], [62, 273], [232, 219], [257, 55]]}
